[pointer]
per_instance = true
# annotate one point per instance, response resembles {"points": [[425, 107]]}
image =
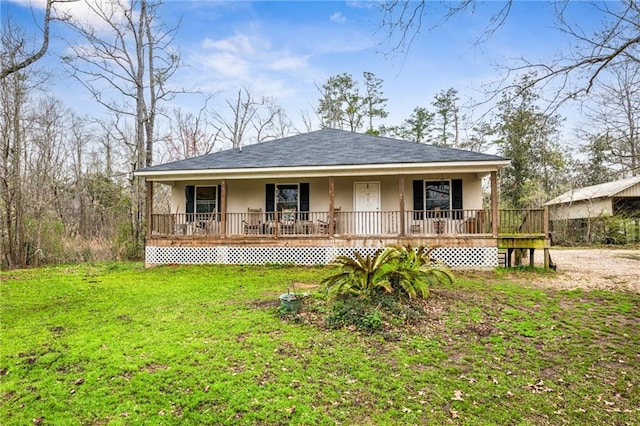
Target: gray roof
{"points": [[608, 189], [326, 147]]}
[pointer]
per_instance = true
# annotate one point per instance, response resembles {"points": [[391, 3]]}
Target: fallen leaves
{"points": [[457, 395], [538, 387]]}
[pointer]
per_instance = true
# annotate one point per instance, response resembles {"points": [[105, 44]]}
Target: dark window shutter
{"points": [[456, 197], [270, 198], [304, 200], [190, 194], [418, 199]]}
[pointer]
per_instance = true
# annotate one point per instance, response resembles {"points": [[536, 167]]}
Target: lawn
{"points": [[120, 344]]}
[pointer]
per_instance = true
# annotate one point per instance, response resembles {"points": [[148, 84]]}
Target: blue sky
{"points": [[285, 49]]}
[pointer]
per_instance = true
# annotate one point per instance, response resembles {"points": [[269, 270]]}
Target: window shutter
{"points": [[418, 199], [304, 200], [456, 197], [270, 197], [190, 194]]}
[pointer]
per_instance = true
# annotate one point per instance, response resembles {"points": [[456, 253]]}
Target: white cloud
{"points": [[338, 18], [289, 63], [83, 11], [249, 60], [237, 44]]}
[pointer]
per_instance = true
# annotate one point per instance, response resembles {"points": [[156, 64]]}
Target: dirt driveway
{"points": [[611, 269]]}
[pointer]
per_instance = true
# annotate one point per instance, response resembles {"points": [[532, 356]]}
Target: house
{"points": [[582, 215], [308, 198]]}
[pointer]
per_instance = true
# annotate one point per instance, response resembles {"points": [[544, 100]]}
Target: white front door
{"points": [[367, 207]]}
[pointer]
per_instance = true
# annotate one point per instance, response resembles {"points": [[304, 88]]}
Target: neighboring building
{"points": [[305, 199], [584, 214]]}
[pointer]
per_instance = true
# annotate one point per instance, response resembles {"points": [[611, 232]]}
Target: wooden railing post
{"points": [[401, 191], [494, 204], [545, 219], [223, 208], [149, 202], [331, 230]]}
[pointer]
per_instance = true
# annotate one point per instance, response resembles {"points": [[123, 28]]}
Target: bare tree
{"points": [[282, 125], [307, 123], [26, 59], [191, 134], [271, 121], [243, 108], [133, 61], [575, 72], [14, 93], [614, 120]]}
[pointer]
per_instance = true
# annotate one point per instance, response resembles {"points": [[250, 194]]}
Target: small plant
{"points": [[354, 312]]}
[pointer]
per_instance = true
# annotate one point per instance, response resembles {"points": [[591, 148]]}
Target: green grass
{"points": [[120, 344]]}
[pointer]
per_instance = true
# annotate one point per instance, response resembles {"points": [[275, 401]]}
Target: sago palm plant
{"points": [[362, 275], [414, 271], [402, 269]]}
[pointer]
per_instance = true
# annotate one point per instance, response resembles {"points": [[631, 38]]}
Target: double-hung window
{"points": [[202, 201], [437, 197], [286, 197], [292, 197], [206, 199]]}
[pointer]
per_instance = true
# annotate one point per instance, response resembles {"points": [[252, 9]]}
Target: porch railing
{"points": [[375, 223]]}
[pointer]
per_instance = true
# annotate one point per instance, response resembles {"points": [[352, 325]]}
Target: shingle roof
{"points": [[608, 189], [326, 147]]}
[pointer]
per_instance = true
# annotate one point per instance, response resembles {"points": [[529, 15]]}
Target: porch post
{"points": [[494, 204], [545, 216], [401, 191], [331, 204], [149, 202], [223, 208]]}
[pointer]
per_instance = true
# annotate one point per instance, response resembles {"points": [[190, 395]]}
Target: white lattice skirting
{"points": [[456, 257]]}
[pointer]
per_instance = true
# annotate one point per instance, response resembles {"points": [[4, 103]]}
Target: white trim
{"points": [[325, 171]]}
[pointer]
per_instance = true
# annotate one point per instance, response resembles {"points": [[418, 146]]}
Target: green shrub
{"points": [[354, 312]]}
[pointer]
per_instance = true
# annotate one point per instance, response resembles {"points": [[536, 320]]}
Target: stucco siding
{"points": [[243, 194]]}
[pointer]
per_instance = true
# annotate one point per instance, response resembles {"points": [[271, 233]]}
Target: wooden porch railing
{"points": [[522, 222], [379, 223]]}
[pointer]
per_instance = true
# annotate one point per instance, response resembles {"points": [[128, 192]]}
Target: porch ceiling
{"points": [[480, 167]]}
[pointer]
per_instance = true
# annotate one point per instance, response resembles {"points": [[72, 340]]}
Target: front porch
{"points": [[468, 238]]}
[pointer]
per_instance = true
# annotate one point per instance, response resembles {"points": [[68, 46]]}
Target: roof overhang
{"points": [[479, 167]]}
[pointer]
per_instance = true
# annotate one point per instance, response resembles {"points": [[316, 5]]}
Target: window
{"points": [[437, 195], [441, 195], [286, 197], [206, 199], [291, 196]]}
